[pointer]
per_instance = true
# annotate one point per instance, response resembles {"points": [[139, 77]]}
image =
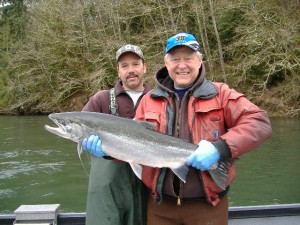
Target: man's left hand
{"points": [[204, 157]]}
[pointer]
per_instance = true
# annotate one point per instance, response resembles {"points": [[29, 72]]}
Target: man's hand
{"points": [[92, 144], [205, 156]]}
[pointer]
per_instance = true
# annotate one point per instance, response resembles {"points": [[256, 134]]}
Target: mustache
{"points": [[132, 75]]}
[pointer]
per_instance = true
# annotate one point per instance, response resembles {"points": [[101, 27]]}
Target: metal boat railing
{"points": [[243, 212]]}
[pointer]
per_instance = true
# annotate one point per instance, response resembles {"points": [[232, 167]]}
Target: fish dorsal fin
{"points": [[148, 125]]}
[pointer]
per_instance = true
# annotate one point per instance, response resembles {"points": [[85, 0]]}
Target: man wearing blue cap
{"points": [[223, 122]]}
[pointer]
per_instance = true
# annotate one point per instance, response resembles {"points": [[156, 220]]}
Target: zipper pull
{"points": [[178, 200]]}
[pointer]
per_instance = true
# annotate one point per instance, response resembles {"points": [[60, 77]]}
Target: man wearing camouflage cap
{"points": [[115, 195]]}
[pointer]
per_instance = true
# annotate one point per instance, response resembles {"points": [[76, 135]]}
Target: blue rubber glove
{"points": [[205, 156], [92, 144]]}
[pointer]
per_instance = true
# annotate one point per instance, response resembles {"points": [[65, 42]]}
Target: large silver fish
{"points": [[132, 141]]}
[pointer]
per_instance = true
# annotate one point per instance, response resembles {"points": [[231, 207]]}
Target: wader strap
{"points": [[113, 104]]}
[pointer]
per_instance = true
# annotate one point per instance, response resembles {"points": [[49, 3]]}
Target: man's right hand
{"points": [[92, 144]]}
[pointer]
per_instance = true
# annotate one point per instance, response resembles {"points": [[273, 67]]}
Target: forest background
{"points": [[55, 54]]}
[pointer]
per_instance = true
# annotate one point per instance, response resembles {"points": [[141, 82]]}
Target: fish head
{"points": [[68, 128]]}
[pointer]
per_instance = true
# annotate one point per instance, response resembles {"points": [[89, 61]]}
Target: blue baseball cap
{"points": [[185, 39]]}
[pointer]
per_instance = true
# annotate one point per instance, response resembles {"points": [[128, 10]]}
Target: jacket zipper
{"points": [[200, 173], [178, 200], [178, 119]]}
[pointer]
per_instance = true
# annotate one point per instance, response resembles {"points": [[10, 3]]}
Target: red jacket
{"points": [[210, 111]]}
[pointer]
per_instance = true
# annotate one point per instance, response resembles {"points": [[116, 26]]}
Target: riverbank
{"points": [[273, 109], [278, 101]]}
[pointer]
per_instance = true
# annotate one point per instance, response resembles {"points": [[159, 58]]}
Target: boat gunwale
{"points": [[238, 212]]}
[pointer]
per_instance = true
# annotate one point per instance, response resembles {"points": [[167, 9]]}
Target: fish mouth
{"points": [[59, 130]]}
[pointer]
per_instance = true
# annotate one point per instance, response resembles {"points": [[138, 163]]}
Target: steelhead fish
{"points": [[135, 142]]}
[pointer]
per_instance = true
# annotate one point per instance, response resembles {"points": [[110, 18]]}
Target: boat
{"points": [[281, 214], [287, 214]]}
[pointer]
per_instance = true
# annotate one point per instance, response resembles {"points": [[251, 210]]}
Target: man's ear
{"points": [[166, 61]]}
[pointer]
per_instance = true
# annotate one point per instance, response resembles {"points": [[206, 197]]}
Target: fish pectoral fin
{"points": [[79, 149], [137, 169], [181, 172]]}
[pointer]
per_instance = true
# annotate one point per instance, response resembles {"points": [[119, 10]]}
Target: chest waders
{"points": [[115, 195]]}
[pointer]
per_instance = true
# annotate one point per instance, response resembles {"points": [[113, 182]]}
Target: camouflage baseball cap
{"points": [[129, 48]]}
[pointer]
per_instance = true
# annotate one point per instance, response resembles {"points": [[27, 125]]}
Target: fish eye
{"points": [[62, 122]]}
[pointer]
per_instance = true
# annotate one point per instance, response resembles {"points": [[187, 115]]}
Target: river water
{"points": [[37, 167]]}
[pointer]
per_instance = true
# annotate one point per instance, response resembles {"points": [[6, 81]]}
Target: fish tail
{"points": [[220, 174]]}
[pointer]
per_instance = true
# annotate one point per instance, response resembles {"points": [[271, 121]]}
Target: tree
{"points": [[221, 59], [12, 29], [57, 59]]}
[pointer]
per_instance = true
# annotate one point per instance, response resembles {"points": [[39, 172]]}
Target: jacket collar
{"points": [[202, 88]]}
